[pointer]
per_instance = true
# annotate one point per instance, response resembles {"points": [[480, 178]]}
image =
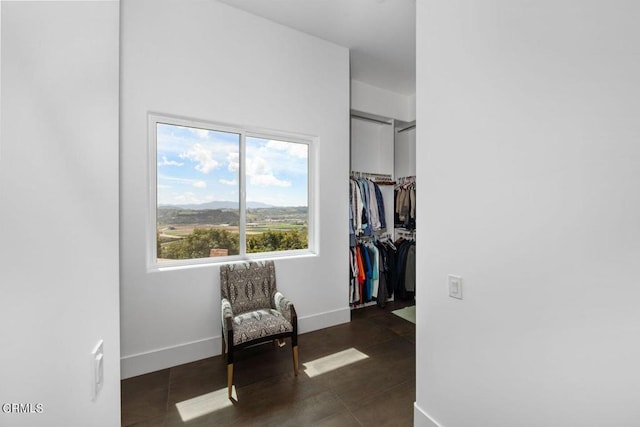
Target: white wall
{"points": [[372, 151], [381, 102], [405, 153], [206, 60], [371, 146], [412, 107], [59, 211], [529, 164]]}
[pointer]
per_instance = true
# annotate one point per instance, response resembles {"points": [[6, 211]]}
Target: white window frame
{"points": [[244, 132]]}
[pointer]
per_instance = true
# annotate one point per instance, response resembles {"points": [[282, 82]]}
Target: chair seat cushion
{"points": [[259, 324]]}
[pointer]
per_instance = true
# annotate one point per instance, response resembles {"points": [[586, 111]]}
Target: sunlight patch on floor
{"points": [[407, 313], [333, 361], [205, 404]]}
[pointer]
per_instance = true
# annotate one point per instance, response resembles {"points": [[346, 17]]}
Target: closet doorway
{"points": [[382, 202]]}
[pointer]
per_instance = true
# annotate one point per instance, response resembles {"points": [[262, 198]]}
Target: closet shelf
{"points": [[378, 178]]}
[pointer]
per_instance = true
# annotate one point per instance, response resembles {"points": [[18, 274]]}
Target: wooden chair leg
{"points": [[295, 360], [230, 378]]}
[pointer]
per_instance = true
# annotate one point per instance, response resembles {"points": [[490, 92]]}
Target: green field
{"points": [[284, 226]]}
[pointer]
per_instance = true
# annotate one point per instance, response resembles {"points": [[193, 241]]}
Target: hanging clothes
{"points": [[366, 206], [404, 278], [386, 264], [381, 212], [405, 204], [371, 258]]}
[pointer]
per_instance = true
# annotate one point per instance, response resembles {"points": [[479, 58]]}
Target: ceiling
{"points": [[380, 34]]}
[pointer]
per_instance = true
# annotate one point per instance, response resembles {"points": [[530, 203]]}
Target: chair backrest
{"points": [[248, 285]]}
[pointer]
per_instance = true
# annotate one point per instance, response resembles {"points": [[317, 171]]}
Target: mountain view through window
{"points": [[199, 187]]}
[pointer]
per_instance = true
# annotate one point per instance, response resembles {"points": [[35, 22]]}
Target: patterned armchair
{"points": [[253, 311]]}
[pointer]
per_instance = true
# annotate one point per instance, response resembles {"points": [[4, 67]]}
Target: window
{"points": [[220, 192]]}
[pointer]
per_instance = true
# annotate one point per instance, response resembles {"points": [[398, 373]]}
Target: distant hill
{"points": [[216, 205], [174, 215]]}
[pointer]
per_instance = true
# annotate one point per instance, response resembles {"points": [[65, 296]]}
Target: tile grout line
{"points": [[347, 408]]}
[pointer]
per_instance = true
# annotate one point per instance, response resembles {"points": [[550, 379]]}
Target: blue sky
{"points": [[199, 166]]}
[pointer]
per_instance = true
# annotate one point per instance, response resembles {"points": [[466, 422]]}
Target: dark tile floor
{"points": [[377, 390]]}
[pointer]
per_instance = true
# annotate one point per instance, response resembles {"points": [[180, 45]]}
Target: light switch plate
{"points": [[455, 286]]}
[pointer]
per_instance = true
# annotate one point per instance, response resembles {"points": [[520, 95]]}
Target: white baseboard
{"points": [[155, 360], [422, 419], [324, 320]]}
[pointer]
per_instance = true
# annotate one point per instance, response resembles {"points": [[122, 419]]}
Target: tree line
{"points": [[199, 243]]}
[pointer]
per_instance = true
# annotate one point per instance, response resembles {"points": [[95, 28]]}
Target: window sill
{"points": [[209, 262]]}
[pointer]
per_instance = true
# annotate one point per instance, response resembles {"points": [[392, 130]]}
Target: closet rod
{"points": [[371, 119], [407, 128]]}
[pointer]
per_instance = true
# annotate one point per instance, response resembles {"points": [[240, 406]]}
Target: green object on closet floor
{"points": [[407, 313]]}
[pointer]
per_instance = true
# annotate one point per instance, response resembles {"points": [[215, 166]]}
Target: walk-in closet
{"points": [[382, 210]]}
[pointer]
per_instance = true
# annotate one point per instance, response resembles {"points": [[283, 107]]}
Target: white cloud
{"points": [[187, 181], [166, 162], [234, 161], [181, 198], [228, 181], [201, 155], [259, 173], [291, 148], [268, 181], [257, 166], [202, 133], [200, 184]]}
